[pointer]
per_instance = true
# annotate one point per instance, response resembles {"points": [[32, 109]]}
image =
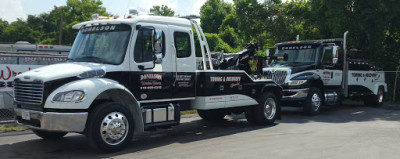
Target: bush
{"points": [[216, 43]]}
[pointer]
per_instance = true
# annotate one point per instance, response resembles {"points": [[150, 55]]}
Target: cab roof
{"points": [[144, 18]]}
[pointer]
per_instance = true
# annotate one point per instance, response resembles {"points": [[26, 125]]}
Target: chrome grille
{"points": [[28, 92], [277, 76]]}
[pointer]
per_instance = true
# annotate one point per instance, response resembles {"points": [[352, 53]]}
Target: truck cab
{"points": [[128, 75], [318, 73]]}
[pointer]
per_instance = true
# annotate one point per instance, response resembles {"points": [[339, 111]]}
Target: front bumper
{"points": [[295, 94], [52, 121]]}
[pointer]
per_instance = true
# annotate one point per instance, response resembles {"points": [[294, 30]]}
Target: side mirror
{"points": [[158, 58], [335, 60], [285, 57], [335, 54], [157, 39]]}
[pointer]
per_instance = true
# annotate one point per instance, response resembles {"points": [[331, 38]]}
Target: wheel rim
{"points": [[380, 96], [114, 128], [269, 108], [315, 101]]}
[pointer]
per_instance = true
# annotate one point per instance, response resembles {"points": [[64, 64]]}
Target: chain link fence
{"points": [[7, 114], [392, 81]]}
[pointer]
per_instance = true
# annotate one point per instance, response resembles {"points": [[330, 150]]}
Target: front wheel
{"points": [[110, 127], [266, 112], [49, 135], [313, 102]]}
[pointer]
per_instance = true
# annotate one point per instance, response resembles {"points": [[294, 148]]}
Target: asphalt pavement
{"points": [[350, 131]]}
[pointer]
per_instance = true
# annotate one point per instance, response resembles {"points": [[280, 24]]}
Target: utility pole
{"points": [[61, 23]]}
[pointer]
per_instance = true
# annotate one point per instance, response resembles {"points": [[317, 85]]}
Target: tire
{"points": [[49, 135], [266, 112], [110, 127], [313, 102], [375, 100], [212, 115]]}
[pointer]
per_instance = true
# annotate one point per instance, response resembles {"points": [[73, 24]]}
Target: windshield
{"points": [[101, 44], [300, 56]]}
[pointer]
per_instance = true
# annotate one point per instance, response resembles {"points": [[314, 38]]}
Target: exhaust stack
{"points": [[345, 86]]}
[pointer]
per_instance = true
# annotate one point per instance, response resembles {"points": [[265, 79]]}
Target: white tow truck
{"points": [[320, 72], [128, 75]]}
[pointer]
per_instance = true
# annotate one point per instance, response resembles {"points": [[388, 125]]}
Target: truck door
{"points": [[185, 62], [151, 79], [330, 73]]}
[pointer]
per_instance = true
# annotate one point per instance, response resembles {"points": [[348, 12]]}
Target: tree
{"points": [[212, 13], [255, 20], [162, 10], [229, 36], [19, 31], [3, 25], [216, 43]]}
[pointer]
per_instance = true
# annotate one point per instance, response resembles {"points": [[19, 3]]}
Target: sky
{"points": [[10, 10]]}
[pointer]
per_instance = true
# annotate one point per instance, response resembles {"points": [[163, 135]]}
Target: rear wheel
{"points": [[375, 100], [265, 112], [313, 102], [212, 115], [110, 127], [50, 135]]}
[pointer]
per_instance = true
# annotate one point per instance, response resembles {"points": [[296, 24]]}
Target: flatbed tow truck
{"points": [[128, 75], [321, 73]]}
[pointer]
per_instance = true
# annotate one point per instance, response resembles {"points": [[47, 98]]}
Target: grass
{"points": [[188, 112], [11, 127]]}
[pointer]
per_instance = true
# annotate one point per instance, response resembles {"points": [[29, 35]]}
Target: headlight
{"points": [[92, 74], [296, 82], [70, 96]]}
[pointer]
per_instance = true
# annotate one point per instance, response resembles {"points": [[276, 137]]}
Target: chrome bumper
{"points": [[295, 94], [53, 121]]}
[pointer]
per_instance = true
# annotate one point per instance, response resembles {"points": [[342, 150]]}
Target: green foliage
{"points": [[3, 25], [19, 31], [229, 36], [45, 28], [216, 43], [231, 21], [212, 13], [162, 10]]}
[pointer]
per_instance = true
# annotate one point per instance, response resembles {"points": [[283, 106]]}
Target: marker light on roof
{"points": [[95, 16]]}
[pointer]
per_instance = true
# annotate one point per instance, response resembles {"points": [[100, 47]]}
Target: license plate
{"points": [[26, 115]]}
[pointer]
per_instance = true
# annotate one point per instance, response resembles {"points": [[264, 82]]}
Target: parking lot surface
{"points": [[349, 131]]}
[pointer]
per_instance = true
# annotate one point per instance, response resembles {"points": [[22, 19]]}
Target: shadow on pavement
{"points": [[348, 112], [77, 146]]}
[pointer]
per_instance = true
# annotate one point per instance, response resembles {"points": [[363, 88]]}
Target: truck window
{"points": [[197, 48], [327, 58], [182, 44], [143, 46], [101, 44]]}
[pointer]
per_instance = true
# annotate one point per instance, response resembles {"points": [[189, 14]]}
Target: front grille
{"points": [[28, 92], [277, 76]]}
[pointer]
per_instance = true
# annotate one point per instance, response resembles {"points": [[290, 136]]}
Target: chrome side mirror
{"points": [[335, 54], [158, 58], [335, 60]]}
